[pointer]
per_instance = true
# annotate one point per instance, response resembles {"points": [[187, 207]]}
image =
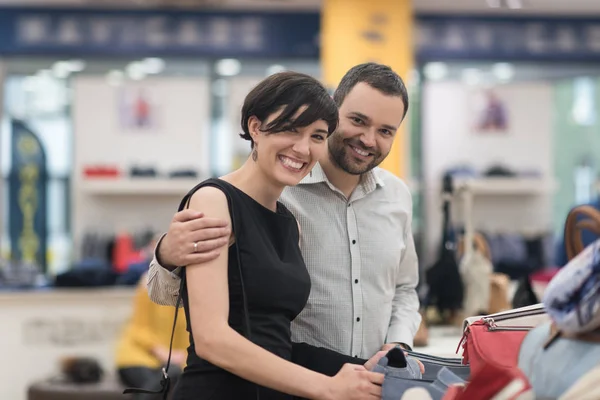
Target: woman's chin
{"points": [[291, 178]]}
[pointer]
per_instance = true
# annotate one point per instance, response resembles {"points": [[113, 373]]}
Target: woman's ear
{"points": [[254, 125]]}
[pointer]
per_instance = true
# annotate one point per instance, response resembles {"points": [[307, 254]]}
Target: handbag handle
{"points": [[165, 381], [573, 227]]}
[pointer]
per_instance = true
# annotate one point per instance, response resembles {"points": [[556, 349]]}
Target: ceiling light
{"points": [[435, 71], [503, 71], [228, 67], [136, 71], [274, 69], [76, 65], [153, 65], [61, 69]]}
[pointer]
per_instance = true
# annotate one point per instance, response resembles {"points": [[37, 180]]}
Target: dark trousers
{"points": [[147, 378]]}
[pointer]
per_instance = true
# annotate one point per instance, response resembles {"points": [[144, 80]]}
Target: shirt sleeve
{"points": [[406, 319], [320, 359], [163, 285]]}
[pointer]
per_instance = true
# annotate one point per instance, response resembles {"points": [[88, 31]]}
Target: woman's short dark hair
{"points": [[290, 91]]}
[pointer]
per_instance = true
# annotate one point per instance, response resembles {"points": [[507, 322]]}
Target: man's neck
{"points": [[343, 181]]}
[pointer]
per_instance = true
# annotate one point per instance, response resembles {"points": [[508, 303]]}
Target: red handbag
{"points": [[493, 383], [484, 342], [496, 339]]}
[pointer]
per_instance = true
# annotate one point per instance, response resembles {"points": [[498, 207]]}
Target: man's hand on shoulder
{"points": [[192, 239]]}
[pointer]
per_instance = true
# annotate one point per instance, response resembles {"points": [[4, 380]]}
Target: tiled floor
{"points": [[443, 341]]}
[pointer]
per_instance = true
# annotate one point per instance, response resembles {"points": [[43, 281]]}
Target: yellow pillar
{"points": [[358, 31]]}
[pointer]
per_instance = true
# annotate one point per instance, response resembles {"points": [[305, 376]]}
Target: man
{"points": [[355, 224]]}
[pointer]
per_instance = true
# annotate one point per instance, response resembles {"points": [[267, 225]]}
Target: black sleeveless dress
{"points": [[276, 285]]}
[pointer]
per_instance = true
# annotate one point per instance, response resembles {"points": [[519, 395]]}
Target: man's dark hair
{"points": [[290, 91], [378, 76]]}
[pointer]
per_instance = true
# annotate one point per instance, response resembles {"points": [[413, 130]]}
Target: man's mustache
{"points": [[360, 146]]}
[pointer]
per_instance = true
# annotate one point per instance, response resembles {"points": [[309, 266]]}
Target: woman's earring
{"points": [[254, 154]]}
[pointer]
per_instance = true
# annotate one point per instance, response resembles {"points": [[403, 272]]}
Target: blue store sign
{"points": [[483, 38], [139, 33], [88, 32]]}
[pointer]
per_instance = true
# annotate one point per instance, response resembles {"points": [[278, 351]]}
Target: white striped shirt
{"points": [[362, 262]]}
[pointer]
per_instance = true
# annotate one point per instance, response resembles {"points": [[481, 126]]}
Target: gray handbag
{"points": [[403, 373]]}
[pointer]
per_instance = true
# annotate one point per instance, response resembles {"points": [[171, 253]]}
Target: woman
{"points": [[287, 119]]}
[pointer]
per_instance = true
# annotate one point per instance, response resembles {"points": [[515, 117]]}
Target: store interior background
{"points": [[73, 103]]}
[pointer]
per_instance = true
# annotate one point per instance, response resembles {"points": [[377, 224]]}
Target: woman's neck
{"points": [[252, 181]]}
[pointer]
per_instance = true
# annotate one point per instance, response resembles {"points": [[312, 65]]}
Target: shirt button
{"points": [[349, 204], [358, 319], [356, 281], [354, 242]]}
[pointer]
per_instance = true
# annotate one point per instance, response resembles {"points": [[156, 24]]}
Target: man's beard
{"points": [[338, 154]]}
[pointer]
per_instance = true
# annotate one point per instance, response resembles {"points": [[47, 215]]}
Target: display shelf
{"points": [[506, 186], [139, 186]]}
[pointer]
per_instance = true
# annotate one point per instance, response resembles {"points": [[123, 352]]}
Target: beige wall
{"points": [[39, 328]]}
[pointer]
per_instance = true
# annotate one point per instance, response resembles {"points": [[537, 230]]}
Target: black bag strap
{"points": [[447, 192], [165, 381]]}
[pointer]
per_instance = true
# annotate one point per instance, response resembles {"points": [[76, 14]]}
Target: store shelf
{"points": [[506, 186], [139, 186]]}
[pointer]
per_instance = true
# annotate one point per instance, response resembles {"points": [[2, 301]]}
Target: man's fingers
{"points": [[205, 223], [209, 234], [207, 246], [187, 215], [201, 258]]}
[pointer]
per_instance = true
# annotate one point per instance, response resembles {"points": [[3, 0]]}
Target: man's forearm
{"points": [[159, 258]]}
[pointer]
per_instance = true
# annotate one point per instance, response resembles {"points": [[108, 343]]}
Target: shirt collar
{"points": [[316, 175], [369, 180]]}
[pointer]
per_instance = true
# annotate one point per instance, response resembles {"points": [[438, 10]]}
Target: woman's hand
{"points": [[372, 362], [354, 382]]}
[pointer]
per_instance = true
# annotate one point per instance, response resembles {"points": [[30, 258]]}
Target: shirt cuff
{"points": [[400, 334], [175, 273]]}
